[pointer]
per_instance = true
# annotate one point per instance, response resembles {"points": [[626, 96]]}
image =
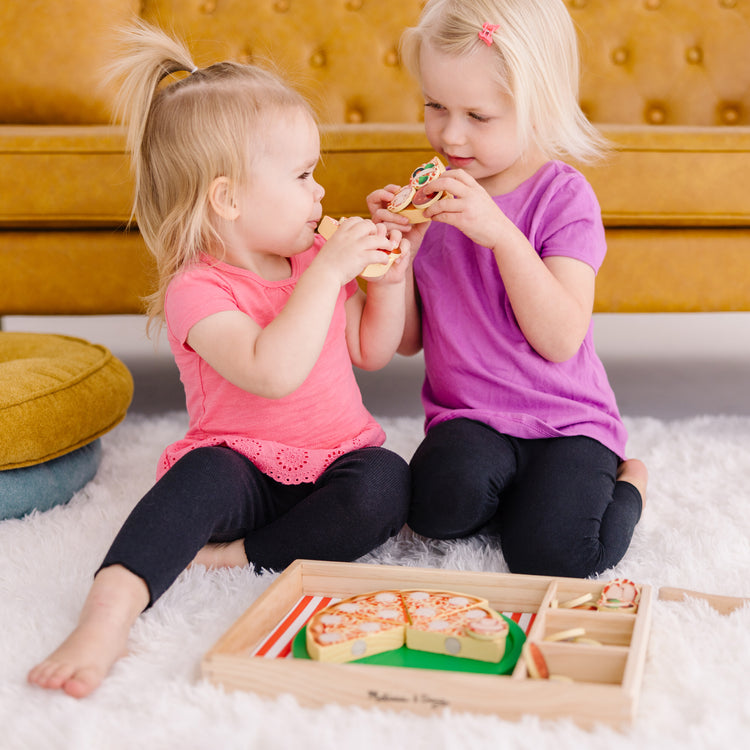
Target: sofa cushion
{"points": [[42, 486], [57, 394]]}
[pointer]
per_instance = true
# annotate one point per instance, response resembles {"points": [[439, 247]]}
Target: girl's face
{"points": [[280, 207], [471, 121]]}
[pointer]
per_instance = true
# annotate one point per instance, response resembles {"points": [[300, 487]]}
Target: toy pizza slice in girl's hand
{"points": [[328, 226], [412, 199]]}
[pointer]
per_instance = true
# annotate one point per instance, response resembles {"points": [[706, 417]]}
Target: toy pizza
{"points": [[328, 226], [620, 595], [441, 622], [412, 199]]}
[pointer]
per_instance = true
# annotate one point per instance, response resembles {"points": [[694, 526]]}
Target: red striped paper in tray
{"points": [[278, 644]]}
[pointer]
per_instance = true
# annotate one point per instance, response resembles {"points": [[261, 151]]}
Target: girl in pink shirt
{"points": [[281, 459], [523, 435]]}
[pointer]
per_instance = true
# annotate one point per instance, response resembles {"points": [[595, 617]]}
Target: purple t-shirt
{"points": [[478, 362]]}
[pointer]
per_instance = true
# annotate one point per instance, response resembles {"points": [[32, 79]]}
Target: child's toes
{"points": [[82, 682], [50, 674]]}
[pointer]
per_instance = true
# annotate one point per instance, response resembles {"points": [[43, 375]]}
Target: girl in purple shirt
{"points": [[523, 435]]}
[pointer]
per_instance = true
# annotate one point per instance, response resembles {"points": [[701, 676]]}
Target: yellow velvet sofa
{"points": [[668, 82]]}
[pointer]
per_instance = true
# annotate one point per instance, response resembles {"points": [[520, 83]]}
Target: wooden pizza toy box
{"points": [[594, 680]]}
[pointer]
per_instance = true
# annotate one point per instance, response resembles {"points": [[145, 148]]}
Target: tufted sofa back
{"points": [[655, 62], [665, 62]]}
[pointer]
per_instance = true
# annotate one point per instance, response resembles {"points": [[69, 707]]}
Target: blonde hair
{"points": [[182, 136], [537, 63]]}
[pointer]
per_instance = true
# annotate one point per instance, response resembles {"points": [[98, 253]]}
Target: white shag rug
{"points": [[695, 534]]}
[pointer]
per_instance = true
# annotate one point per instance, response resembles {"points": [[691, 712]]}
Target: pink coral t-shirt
{"points": [[292, 439]]}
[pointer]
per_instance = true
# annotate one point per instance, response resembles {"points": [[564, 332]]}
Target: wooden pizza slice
{"points": [[360, 626], [412, 199], [425, 605], [385, 605], [474, 633]]}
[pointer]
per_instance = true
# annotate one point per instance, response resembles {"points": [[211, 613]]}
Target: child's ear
{"points": [[221, 198]]}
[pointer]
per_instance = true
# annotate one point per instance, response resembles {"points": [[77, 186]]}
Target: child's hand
{"points": [[397, 272], [470, 209], [357, 243], [377, 203]]}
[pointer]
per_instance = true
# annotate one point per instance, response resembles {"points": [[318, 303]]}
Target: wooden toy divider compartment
{"points": [[606, 678]]}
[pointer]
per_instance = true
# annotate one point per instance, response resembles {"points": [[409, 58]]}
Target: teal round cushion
{"points": [[58, 396], [42, 486]]}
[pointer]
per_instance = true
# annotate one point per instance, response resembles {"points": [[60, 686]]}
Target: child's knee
{"points": [[450, 514], [383, 491], [554, 557], [452, 502]]}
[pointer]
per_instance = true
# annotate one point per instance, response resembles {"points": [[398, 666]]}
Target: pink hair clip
{"points": [[488, 29]]}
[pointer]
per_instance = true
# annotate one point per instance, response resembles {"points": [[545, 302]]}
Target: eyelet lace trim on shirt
{"points": [[283, 463]]}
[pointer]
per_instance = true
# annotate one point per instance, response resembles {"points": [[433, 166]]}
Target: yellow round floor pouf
{"points": [[57, 394]]}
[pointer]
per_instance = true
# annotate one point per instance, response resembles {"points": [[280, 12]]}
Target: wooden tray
{"points": [[606, 678]]}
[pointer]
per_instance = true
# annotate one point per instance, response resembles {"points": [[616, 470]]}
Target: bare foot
{"points": [[80, 664], [226, 555], [635, 472]]}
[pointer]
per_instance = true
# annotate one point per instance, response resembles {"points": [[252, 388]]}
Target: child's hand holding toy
{"points": [[397, 248], [402, 207]]}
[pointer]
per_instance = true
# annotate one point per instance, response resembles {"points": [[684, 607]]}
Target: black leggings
{"points": [[217, 495], [555, 502]]}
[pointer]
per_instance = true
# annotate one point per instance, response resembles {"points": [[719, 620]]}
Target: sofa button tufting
{"points": [[354, 116], [354, 4], [652, 4], [730, 114], [656, 114], [318, 59], [578, 4], [391, 58], [282, 6], [694, 55], [208, 7], [728, 3], [620, 56]]}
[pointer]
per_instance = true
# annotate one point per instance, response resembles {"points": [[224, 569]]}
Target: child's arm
{"points": [[411, 341], [375, 321], [552, 298], [274, 361]]}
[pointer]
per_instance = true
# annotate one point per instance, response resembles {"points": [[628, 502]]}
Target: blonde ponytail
{"points": [[181, 135]]}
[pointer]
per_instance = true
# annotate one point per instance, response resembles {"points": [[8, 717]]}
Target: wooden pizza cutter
{"points": [[722, 604]]}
